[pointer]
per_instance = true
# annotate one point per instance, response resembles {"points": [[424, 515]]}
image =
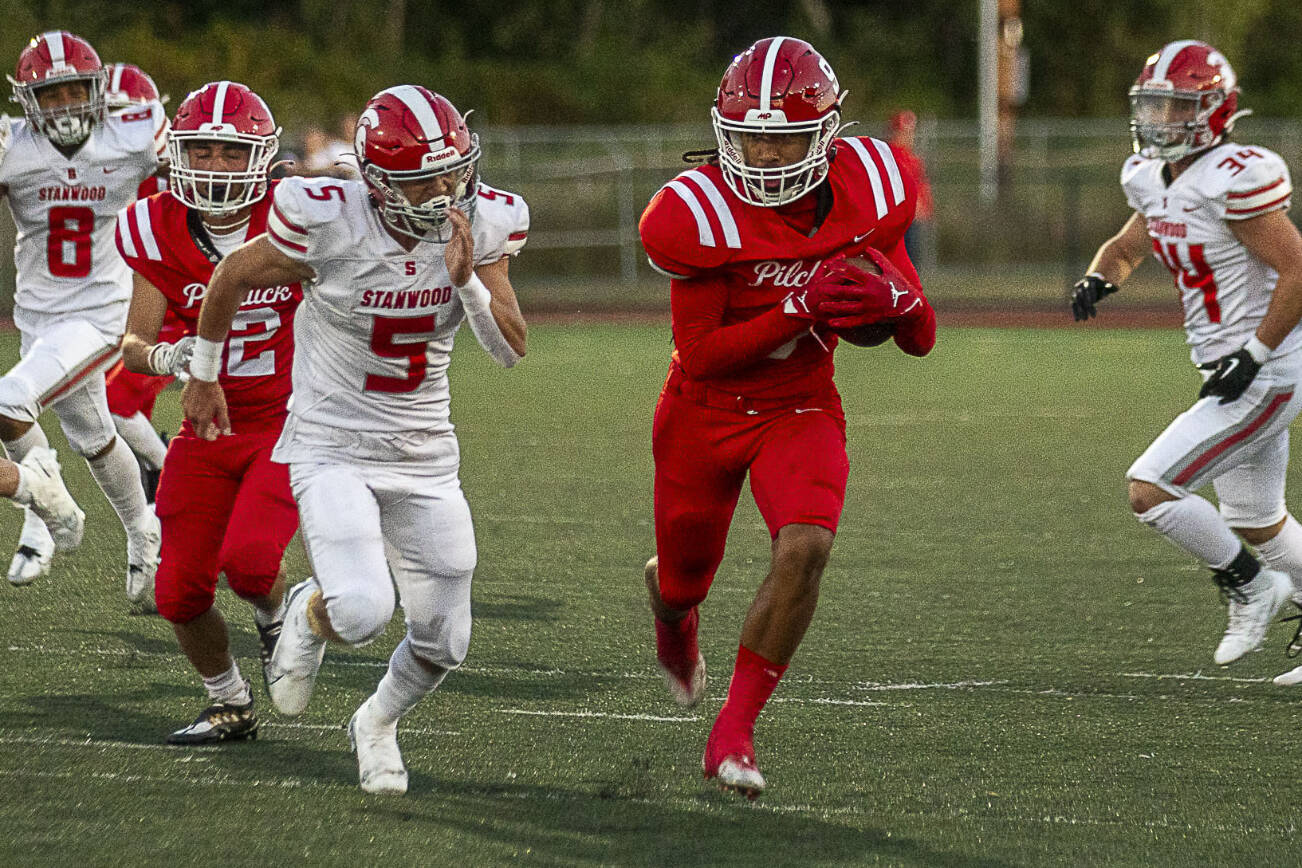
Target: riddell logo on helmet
{"points": [[440, 157]]}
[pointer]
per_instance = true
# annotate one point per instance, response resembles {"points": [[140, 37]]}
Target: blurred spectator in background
{"points": [[903, 125], [327, 154]]}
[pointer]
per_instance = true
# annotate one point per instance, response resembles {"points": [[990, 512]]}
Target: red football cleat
{"points": [[680, 659]]}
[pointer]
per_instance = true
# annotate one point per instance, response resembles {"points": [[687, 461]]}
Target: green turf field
{"points": [[1006, 668]]}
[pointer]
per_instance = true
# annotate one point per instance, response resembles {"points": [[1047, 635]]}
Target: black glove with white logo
{"points": [[1086, 293], [1232, 374]]}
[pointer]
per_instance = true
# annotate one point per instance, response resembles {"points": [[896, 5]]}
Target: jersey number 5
{"points": [[68, 249], [395, 337], [1186, 262]]}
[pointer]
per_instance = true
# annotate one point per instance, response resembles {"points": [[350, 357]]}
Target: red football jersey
{"points": [[733, 262], [164, 242]]}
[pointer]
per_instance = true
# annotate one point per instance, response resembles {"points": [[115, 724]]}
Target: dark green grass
{"points": [[1004, 669]]}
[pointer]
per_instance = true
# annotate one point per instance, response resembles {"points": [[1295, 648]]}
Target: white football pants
{"points": [[1240, 447], [364, 522]]}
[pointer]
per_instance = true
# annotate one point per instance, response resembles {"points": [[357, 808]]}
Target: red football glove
{"points": [[886, 296], [833, 282]]}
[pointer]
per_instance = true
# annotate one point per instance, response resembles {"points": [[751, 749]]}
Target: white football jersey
{"points": [[1224, 288], [65, 210], [373, 337]]}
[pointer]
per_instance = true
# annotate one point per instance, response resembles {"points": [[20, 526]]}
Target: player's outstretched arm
{"points": [[1112, 264], [255, 264]]}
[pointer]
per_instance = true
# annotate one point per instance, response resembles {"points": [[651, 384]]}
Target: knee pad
{"points": [[18, 399], [360, 615], [445, 640]]}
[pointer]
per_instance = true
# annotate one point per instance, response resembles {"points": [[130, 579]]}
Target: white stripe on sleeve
{"points": [[892, 169], [704, 233], [731, 236], [874, 176], [124, 232], [147, 230]]}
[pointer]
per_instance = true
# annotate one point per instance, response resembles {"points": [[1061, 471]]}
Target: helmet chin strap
{"points": [[1230, 121]]}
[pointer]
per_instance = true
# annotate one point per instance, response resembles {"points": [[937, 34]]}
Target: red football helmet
{"points": [[56, 57], [127, 86], [222, 111], [1185, 99], [779, 85], [408, 133]]}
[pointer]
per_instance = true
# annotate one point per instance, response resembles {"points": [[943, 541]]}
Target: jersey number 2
{"points": [[68, 250], [1191, 272], [394, 337]]}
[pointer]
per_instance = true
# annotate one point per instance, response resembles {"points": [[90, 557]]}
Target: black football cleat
{"points": [[217, 723], [268, 636]]}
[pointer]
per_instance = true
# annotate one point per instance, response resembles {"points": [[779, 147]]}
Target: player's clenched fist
{"points": [[1086, 293]]}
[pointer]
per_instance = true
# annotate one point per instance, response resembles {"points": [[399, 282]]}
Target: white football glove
{"points": [[172, 360]]}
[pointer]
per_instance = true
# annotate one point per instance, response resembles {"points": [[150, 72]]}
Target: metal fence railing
{"points": [[587, 186]]}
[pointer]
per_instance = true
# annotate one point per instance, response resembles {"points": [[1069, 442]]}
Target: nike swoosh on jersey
{"points": [[859, 238]]}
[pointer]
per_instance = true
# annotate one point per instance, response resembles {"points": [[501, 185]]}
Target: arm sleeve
{"points": [[707, 349]]}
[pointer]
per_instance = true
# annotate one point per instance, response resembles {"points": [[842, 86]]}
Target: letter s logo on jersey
{"points": [[194, 293]]}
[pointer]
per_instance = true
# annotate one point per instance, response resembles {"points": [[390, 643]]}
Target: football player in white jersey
{"points": [[1214, 212], [68, 169], [390, 266]]}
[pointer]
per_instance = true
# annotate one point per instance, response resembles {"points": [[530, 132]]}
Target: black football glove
{"points": [[1231, 376], [1086, 293]]}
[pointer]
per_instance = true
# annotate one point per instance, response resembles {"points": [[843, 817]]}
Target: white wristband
{"points": [[1258, 350], [206, 363]]}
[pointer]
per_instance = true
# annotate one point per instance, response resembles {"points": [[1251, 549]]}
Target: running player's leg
{"points": [[798, 479], [1201, 445]]}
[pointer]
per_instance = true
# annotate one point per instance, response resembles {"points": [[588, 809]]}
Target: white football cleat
{"points": [[738, 774], [379, 761], [49, 498], [1289, 678], [297, 656], [35, 551], [143, 546], [1252, 606], [687, 693]]}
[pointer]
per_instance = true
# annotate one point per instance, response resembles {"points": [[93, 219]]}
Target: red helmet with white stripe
{"points": [[222, 112], [1185, 100], [53, 58], [777, 86], [409, 134], [127, 85]]}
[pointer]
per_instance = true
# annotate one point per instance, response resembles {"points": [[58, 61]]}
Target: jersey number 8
{"points": [[68, 248]]}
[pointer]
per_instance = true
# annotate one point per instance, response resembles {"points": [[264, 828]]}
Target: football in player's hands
{"points": [[872, 334]]}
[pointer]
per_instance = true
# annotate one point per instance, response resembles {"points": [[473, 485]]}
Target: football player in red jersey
{"points": [[225, 506], [131, 396], [755, 242]]}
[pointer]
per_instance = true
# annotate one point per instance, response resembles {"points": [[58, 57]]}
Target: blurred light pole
{"points": [[1004, 80]]}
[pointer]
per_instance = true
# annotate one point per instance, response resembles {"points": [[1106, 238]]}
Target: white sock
{"points": [[1283, 551], [143, 440], [18, 449], [1196, 526], [229, 687], [406, 683], [118, 476]]}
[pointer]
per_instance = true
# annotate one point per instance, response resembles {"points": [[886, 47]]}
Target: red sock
{"points": [[753, 682], [676, 647]]}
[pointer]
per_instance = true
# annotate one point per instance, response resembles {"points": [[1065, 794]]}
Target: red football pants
{"points": [[798, 468], [130, 393], [225, 507]]}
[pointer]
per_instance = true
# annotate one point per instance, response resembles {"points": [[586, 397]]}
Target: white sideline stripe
{"points": [[609, 715], [263, 783]]}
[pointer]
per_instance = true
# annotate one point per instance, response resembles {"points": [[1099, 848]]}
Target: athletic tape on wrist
{"points": [[1258, 350], [206, 363]]}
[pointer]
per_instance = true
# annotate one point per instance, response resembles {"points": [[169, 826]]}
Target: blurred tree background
{"points": [[623, 61]]}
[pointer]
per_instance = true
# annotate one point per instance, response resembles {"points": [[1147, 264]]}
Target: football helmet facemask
{"points": [[408, 133], [52, 58], [222, 112], [779, 85], [1185, 100]]}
